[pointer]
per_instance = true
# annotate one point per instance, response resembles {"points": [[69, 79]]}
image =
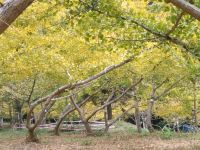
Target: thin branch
{"points": [[179, 17], [163, 82], [133, 40], [31, 92], [169, 88]]}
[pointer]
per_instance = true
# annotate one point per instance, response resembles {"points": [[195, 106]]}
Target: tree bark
{"points": [[186, 7], [1, 116], [106, 119], [87, 127], [137, 117], [109, 111], [32, 137], [149, 115], [10, 114], [1, 122], [10, 10], [17, 113], [57, 127], [194, 111]]}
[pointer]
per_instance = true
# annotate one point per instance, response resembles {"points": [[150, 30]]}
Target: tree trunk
{"points": [[82, 116], [109, 111], [32, 137], [1, 122], [44, 120], [194, 112], [10, 10], [149, 115], [10, 115], [57, 127], [106, 128], [1, 116], [106, 119], [18, 113], [87, 127], [66, 112], [137, 117], [176, 124], [143, 117]]}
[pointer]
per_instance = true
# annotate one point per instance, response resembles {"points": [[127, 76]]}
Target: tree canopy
{"points": [[56, 53]]}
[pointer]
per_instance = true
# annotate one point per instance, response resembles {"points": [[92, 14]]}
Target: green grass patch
{"points": [[9, 133]]}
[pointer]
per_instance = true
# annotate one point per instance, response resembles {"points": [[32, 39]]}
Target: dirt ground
{"points": [[114, 142]]}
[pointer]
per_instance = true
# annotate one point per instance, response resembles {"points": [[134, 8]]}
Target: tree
{"points": [[49, 102]]}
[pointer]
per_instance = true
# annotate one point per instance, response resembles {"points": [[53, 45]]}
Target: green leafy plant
{"points": [[166, 133]]}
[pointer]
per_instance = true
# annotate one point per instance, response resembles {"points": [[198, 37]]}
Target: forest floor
{"points": [[124, 138]]}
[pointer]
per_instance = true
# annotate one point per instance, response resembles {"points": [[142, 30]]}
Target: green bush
{"points": [[166, 133]]}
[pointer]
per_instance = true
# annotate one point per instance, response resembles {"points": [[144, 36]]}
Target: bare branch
{"points": [[179, 17], [31, 92]]}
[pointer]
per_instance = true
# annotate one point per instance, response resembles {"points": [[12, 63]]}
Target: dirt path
{"points": [[80, 142]]}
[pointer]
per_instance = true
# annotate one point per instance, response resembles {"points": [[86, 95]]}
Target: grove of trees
{"points": [[98, 60]]}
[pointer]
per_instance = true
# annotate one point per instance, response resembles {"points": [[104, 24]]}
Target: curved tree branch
{"points": [[186, 7], [10, 10]]}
